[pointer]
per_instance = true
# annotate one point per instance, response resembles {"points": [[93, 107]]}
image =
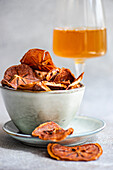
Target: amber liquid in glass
{"points": [[79, 42]]}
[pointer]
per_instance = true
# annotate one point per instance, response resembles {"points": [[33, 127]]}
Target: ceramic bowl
{"points": [[29, 109]]}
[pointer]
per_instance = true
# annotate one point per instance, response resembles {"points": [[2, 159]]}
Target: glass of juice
{"points": [[80, 31]]}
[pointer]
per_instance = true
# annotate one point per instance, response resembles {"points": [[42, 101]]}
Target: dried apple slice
{"points": [[38, 59], [76, 84], [6, 83], [51, 131], [64, 75], [18, 74], [34, 86], [52, 74], [40, 86], [16, 81], [21, 70], [41, 75], [10, 72], [86, 152], [54, 86]]}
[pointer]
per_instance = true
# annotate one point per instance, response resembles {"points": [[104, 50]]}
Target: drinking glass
{"points": [[79, 31]]}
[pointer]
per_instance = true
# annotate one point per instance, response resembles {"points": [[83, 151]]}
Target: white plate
{"points": [[84, 127]]}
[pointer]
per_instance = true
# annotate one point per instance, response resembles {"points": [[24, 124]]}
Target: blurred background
{"points": [[26, 24]]}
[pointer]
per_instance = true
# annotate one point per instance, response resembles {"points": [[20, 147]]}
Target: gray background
{"points": [[25, 24]]}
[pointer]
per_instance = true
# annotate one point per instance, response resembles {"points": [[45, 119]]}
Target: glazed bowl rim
{"points": [[45, 92]]}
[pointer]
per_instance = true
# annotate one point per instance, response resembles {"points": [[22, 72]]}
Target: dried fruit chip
{"points": [[67, 83], [40, 86], [22, 70], [54, 86], [16, 81], [28, 86], [38, 59], [87, 152], [6, 83], [76, 83], [64, 75], [34, 86], [10, 72], [41, 75], [52, 74], [18, 75], [51, 131]]}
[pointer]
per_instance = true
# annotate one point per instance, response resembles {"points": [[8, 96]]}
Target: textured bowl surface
{"points": [[29, 109]]}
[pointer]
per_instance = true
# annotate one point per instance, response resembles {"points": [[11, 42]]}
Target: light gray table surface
{"points": [[26, 24]]}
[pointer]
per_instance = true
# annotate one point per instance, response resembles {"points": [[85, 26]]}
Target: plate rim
{"points": [[69, 137]]}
